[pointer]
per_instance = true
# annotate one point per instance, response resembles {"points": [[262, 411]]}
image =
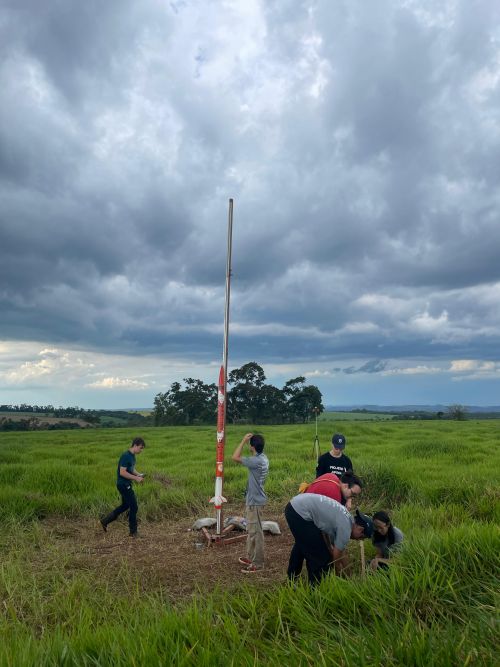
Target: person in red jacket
{"points": [[340, 489]]}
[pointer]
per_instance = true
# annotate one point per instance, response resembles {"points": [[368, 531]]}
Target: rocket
{"points": [[218, 498]]}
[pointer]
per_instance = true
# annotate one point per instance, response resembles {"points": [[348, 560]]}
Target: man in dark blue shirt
{"points": [[126, 475]]}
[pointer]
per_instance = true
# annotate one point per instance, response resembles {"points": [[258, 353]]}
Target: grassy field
{"points": [[68, 598], [332, 416]]}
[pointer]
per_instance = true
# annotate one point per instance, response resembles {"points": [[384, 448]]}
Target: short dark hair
{"points": [[351, 479], [138, 442], [257, 442]]}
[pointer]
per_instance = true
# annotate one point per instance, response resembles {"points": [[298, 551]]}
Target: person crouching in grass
{"points": [[258, 469], [322, 528], [329, 485], [387, 540], [341, 489]]}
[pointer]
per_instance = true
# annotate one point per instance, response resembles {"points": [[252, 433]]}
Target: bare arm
{"points": [[375, 562], [237, 452], [339, 558], [127, 475]]}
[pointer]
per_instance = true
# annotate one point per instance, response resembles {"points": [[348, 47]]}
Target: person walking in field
{"points": [[335, 460], [258, 469], [322, 528], [387, 540], [126, 476]]}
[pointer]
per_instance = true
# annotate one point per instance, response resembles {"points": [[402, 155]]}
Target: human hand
{"points": [[247, 437], [139, 479]]}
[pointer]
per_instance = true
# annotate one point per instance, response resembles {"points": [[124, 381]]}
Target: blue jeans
{"points": [[129, 502]]}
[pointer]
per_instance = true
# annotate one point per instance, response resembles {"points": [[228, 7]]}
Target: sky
{"points": [[360, 142]]}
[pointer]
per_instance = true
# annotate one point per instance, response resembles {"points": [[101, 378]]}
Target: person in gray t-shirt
{"points": [[322, 527], [258, 469]]}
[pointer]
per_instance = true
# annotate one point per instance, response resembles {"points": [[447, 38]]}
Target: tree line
{"points": [[75, 412], [26, 417], [249, 400]]}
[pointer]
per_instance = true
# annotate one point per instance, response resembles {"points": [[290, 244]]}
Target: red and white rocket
{"points": [[218, 498]]}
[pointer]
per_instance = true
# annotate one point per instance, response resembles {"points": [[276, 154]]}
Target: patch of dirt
{"points": [[166, 554], [163, 479]]}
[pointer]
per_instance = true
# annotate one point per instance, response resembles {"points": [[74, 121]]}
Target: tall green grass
{"points": [[436, 605]]}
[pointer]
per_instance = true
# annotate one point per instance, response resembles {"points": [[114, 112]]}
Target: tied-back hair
{"points": [[377, 537], [349, 478]]}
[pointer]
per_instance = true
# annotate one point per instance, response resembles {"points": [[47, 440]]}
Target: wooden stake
{"points": [[362, 556]]}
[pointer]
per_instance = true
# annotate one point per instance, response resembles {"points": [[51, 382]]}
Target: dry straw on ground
{"points": [[166, 555]]}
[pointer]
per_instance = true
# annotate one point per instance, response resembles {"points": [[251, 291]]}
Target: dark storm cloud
{"points": [[359, 141], [374, 366]]}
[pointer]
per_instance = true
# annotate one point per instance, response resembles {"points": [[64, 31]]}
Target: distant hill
{"points": [[409, 408]]}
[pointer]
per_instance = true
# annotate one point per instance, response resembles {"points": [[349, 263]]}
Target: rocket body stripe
{"points": [[221, 418], [218, 498]]}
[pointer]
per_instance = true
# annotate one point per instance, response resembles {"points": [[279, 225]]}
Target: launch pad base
{"points": [[225, 536]]}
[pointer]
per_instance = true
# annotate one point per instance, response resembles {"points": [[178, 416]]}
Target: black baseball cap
{"points": [[365, 521], [338, 441]]}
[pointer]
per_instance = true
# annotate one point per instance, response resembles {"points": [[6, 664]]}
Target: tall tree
{"points": [[249, 398], [457, 411], [166, 410], [196, 402], [302, 399], [245, 400]]}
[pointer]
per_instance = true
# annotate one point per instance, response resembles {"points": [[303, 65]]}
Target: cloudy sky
{"points": [[360, 141]]}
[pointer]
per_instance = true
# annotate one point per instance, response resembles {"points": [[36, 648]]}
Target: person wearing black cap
{"points": [[126, 475], [322, 527], [335, 460]]}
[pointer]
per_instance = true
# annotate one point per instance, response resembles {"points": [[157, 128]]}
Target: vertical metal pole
{"points": [[316, 451], [218, 498], [228, 289]]}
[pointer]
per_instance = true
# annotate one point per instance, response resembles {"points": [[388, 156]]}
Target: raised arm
{"points": [[237, 452]]}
